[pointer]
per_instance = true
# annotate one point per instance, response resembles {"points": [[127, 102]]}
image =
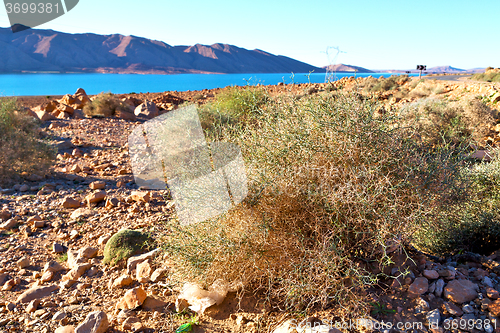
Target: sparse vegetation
{"points": [[490, 75], [441, 123], [234, 107], [123, 245], [21, 148], [332, 186], [105, 105]]}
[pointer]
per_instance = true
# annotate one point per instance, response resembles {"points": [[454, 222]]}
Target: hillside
{"points": [[341, 68], [37, 50]]}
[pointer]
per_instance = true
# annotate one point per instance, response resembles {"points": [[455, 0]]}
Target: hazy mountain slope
{"points": [[347, 68], [48, 50]]}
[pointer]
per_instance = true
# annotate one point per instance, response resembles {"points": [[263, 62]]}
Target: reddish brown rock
{"points": [[460, 291], [95, 197], [492, 293], [70, 203], [132, 299], [37, 292], [494, 308], [418, 287], [98, 185], [140, 196]]}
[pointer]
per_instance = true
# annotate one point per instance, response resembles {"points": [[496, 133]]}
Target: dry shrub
{"points": [[331, 186], [21, 147], [426, 88], [441, 122], [370, 84], [106, 105], [490, 75], [471, 225]]}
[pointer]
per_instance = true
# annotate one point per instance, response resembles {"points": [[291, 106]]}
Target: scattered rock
{"points": [[158, 274], [5, 214], [418, 287], [492, 293], [53, 266], [147, 109], [32, 306], [36, 292], [98, 185], [65, 329], [96, 322], [132, 299], [460, 291], [123, 281], [59, 315], [9, 224], [140, 196], [132, 262], [453, 309], [57, 248], [439, 287], [494, 308], [431, 274], [70, 203], [151, 303], [77, 271], [143, 271], [95, 197], [82, 213], [23, 262]]}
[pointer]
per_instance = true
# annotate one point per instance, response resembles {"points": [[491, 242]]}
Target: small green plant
{"points": [[105, 105], [187, 327], [380, 309], [63, 257], [124, 244]]}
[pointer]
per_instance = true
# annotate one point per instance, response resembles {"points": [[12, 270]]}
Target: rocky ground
{"points": [[54, 229]]}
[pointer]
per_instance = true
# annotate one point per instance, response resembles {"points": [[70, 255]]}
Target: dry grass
{"points": [[332, 185], [490, 75], [106, 105], [21, 148], [441, 122]]}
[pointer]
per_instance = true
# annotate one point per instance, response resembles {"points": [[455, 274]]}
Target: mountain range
{"points": [[36, 50], [341, 68]]}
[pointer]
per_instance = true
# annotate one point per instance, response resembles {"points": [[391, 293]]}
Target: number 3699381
{"points": [[32, 8]]}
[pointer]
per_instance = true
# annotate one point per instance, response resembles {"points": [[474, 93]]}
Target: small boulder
{"points": [[36, 292], [70, 203], [65, 329], [98, 185], [123, 281], [151, 303], [461, 291], [143, 271], [147, 109], [418, 287], [431, 274], [82, 213], [96, 322], [132, 299], [95, 197]]}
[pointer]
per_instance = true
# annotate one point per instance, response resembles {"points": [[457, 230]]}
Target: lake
{"points": [[61, 84]]}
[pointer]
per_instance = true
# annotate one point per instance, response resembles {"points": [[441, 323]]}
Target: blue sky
{"points": [[376, 34]]}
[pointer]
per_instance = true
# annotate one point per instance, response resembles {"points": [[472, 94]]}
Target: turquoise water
{"points": [[61, 84]]}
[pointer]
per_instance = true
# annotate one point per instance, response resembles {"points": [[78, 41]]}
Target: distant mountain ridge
{"points": [[341, 68], [37, 50]]}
